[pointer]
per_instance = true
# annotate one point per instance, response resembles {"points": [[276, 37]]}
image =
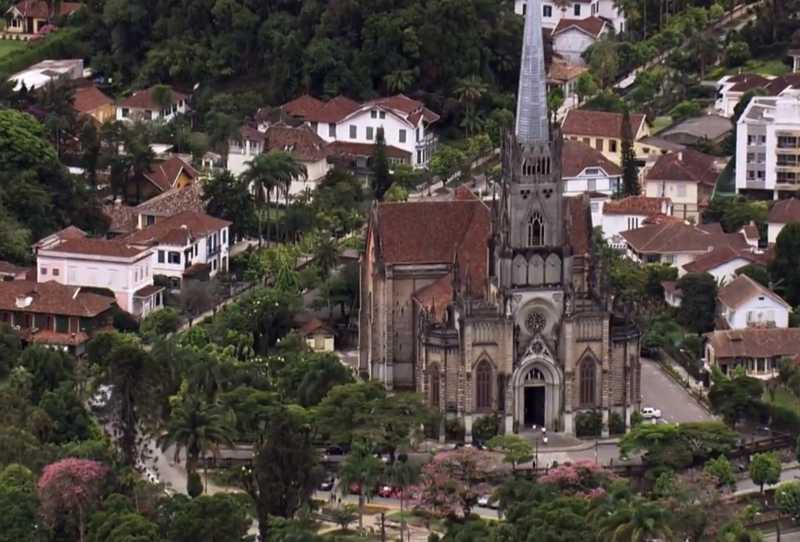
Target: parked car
{"points": [[487, 501], [327, 484], [386, 491], [649, 413]]}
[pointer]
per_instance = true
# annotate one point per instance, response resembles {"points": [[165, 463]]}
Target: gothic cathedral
{"points": [[500, 308]]}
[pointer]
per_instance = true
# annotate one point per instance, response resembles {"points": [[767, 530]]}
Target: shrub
{"points": [[486, 427], [159, 324], [784, 419], [194, 485], [616, 424], [454, 429], [588, 424], [636, 418], [737, 53], [125, 322]]}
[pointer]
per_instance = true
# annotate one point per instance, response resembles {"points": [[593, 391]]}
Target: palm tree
{"points": [[636, 520], [399, 80], [363, 469], [470, 89], [403, 476], [268, 172], [326, 254], [198, 427]]}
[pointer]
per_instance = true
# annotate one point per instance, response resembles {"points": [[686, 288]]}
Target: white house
{"points": [[731, 88], [629, 214], [745, 303], [43, 72], [584, 169], [141, 105], [245, 147], [187, 245], [343, 122], [123, 267], [554, 11], [679, 244], [723, 261], [783, 212], [572, 37]]}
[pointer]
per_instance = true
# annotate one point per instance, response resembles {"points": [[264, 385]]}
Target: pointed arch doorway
{"points": [[536, 388]]}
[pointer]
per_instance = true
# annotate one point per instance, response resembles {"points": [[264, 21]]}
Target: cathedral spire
{"points": [[531, 122]]}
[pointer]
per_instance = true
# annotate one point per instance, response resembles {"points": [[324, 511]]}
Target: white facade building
{"points": [[142, 106], [744, 303], [572, 37], [629, 214], [345, 124], [552, 12], [768, 146], [585, 169]]}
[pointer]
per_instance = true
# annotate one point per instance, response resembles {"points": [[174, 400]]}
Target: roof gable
{"points": [[585, 122], [591, 26], [743, 289], [685, 165], [577, 156], [785, 211]]}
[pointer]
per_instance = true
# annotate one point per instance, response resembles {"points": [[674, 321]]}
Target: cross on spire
{"points": [[531, 122]]}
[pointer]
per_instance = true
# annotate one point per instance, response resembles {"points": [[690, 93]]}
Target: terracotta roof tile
{"points": [[755, 342], [411, 108], [178, 229], [143, 99], [313, 110], [437, 232], [660, 218], [747, 81], [88, 99], [123, 218], [7, 268], [593, 26], [113, 248], [346, 148], [40, 10], [742, 289], [583, 122], [636, 205], [164, 173], [300, 142], [577, 156], [561, 72], [671, 238], [173, 201], [686, 165], [52, 298], [719, 256], [779, 84], [785, 211], [314, 325]]}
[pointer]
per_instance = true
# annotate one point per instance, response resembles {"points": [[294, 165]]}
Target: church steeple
{"points": [[531, 123]]}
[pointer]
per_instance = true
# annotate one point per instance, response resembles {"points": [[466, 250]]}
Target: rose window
{"points": [[535, 322]]}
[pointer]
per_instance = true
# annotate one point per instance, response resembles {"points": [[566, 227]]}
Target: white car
{"points": [[649, 413]]}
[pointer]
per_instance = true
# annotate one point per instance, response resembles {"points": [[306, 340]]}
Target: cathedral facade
{"points": [[500, 309]]}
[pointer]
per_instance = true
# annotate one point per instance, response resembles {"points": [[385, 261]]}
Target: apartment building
{"points": [[768, 146]]}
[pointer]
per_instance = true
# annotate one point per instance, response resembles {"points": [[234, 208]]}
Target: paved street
{"points": [[791, 535], [660, 391]]}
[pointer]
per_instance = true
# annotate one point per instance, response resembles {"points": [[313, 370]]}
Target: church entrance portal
{"points": [[534, 406]]}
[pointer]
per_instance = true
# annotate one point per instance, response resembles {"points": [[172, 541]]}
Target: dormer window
{"points": [[536, 230]]}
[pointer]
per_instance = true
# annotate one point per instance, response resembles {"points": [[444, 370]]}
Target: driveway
{"points": [[660, 391]]}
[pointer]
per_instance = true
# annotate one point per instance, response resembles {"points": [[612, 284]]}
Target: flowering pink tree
{"points": [[581, 477], [453, 481], [71, 486]]}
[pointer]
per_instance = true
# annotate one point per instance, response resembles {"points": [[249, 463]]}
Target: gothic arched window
{"points": [[536, 230], [483, 386], [588, 384], [433, 375]]}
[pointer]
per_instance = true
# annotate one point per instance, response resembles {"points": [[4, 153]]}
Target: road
{"points": [[788, 535], [660, 391], [747, 486]]}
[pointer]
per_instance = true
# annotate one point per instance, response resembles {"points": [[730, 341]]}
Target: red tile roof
{"points": [[599, 123], [577, 156], [785, 211], [164, 173], [123, 218], [300, 142], [636, 205], [313, 110], [408, 108], [592, 26], [719, 256], [686, 165], [670, 238], [431, 232], [52, 298], [747, 81], [113, 248], [561, 72], [38, 8], [662, 219], [755, 342], [143, 99], [173, 201], [179, 229], [779, 84], [365, 149], [88, 99], [7, 268], [314, 325], [742, 289]]}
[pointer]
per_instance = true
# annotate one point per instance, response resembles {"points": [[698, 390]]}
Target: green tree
{"points": [[737, 53], [326, 254], [343, 515], [159, 324], [381, 180], [721, 469], [396, 193], [784, 265], [765, 469], [787, 497], [162, 96], [284, 473], [447, 161], [737, 397], [604, 61], [198, 428], [403, 476], [208, 518], [555, 99], [360, 470], [268, 173], [18, 523], [637, 520], [699, 306], [585, 87], [516, 449], [704, 48], [228, 197], [630, 171]]}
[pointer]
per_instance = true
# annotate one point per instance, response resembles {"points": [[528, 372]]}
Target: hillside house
{"points": [[603, 131], [92, 102], [572, 37], [31, 16], [744, 303], [782, 212], [585, 169], [629, 214], [553, 11], [161, 176], [758, 350], [143, 105]]}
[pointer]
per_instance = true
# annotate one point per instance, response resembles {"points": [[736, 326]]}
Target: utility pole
{"points": [[383, 527]]}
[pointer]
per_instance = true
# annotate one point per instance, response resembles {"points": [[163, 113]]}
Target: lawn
{"points": [[764, 66], [660, 123], [10, 46], [785, 398]]}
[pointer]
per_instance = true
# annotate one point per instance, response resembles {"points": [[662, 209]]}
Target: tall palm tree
{"points": [[363, 469], [268, 172], [197, 427], [470, 89], [637, 520], [403, 476], [326, 254], [399, 80]]}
